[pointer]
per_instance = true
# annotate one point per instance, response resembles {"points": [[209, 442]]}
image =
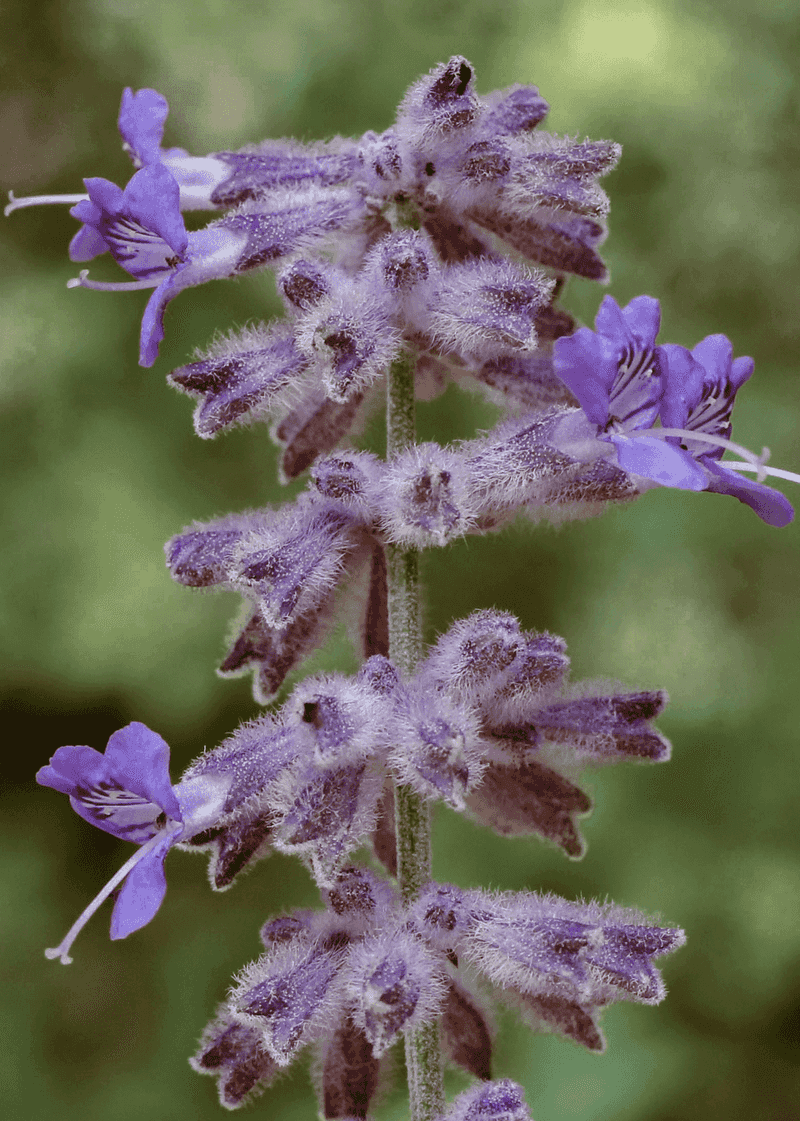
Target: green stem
{"points": [[412, 813]]}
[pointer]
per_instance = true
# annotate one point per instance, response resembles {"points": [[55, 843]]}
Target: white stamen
{"points": [[62, 950], [757, 461], [40, 200], [82, 281], [778, 472]]}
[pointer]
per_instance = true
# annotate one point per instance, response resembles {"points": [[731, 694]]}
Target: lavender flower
{"points": [[395, 982], [699, 392], [349, 979], [127, 792], [143, 229], [613, 375], [238, 381], [141, 120], [142, 116], [623, 382]]}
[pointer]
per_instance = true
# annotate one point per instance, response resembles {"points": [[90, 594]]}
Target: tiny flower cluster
{"points": [[488, 725], [349, 980], [399, 242]]}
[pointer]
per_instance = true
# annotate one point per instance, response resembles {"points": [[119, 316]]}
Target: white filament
{"points": [[62, 950], [82, 281], [40, 200]]}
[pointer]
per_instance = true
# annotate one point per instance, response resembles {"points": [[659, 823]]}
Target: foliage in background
{"points": [[102, 467]]}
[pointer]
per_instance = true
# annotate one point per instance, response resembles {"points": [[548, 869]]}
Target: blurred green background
{"points": [[690, 592]]}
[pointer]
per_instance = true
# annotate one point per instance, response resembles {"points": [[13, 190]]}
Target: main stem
{"points": [[412, 813]]}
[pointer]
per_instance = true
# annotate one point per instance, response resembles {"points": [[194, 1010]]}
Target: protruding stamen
{"points": [[82, 281], [40, 200], [62, 950], [761, 469], [757, 462]]}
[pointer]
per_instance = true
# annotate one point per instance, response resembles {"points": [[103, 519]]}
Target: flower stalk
{"points": [[412, 812]]}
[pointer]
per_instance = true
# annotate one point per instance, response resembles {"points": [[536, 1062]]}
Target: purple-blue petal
{"points": [[682, 381], [142, 893], [770, 505], [643, 319], [587, 364], [139, 759], [657, 460], [141, 123], [152, 331], [153, 198], [741, 370], [86, 211], [106, 196], [71, 767], [87, 244], [715, 354], [610, 322]]}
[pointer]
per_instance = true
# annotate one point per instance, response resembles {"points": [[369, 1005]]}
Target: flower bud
{"points": [[396, 983]]}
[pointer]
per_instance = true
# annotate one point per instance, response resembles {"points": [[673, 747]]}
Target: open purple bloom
{"points": [[143, 229], [141, 226], [142, 115], [624, 382], [699, 390], [127, 792], [613, 373]]}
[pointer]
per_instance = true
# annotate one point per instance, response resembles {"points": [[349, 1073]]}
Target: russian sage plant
{"points": [[433, 252]]}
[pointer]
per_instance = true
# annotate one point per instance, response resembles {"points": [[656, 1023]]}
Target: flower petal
{"points": [[657, 460], [142, 893], [141, 123], [153, 198], [587, 363], [139, 758], [682, 380], [87, 244], [770, 505]]}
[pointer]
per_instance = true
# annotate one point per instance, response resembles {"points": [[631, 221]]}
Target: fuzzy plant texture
{"points": [[433, 252]]}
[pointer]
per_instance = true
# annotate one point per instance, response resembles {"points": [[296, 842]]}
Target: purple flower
{"points": [[286, 994], [556, 961], [273, 165], [141, 120], [127, 792], [395, 982], [588, 952], [700, 388], [141, 125], [141, 226], [143, 229], [624, 382], [613, 373]]}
